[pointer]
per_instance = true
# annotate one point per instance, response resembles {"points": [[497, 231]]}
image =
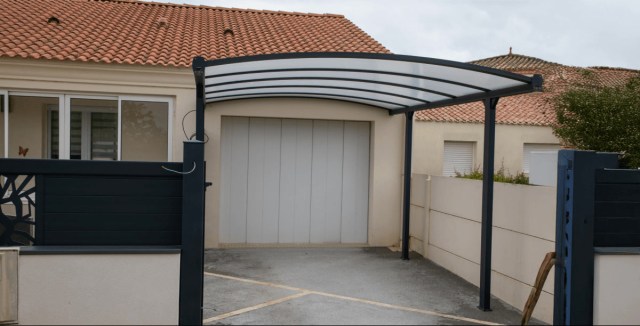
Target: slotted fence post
{"points": [[192, 256]]}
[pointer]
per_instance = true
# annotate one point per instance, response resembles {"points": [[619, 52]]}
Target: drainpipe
{"points": [[406, 204]]}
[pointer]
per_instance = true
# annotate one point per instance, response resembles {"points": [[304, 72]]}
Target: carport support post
{"points": [[406, 204], [487, 202]]}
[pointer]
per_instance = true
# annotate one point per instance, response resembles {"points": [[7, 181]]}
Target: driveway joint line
{"points": [[304, 292], [256, 307]]}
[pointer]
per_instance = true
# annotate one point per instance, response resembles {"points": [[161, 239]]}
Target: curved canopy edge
{"points": [[397, 83]]}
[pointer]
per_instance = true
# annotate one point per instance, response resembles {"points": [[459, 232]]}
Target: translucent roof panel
{"points": [[397, 83]]}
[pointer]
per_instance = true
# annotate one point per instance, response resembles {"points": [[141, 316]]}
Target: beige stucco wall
{"points": [[448, 233], [385, 153], [106, 289], [615, 289], [429, 138]]}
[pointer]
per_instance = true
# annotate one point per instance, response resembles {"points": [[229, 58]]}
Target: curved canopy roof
{"points": [[397, 83]]}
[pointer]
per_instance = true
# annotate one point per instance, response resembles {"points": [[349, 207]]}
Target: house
{"points": [[450, 139], [111, 80]]}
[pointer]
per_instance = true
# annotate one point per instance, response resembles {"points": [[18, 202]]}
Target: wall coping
{"points": [[98, 250]]}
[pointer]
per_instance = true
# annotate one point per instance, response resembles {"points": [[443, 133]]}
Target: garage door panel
{"points": [[304, 142], [287, 181], [326, 189], [356, 145], [271, 183], [255, 193], [319, 181], [237, 185], [335, 149]]}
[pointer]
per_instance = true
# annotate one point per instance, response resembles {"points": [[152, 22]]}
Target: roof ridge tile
{"points": [[186, 5]]}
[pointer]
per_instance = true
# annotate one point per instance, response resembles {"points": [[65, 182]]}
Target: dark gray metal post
{"points": [[193, 186], [487, 202], [406, 204], [575, 222], [192, 255], [198, 73]]}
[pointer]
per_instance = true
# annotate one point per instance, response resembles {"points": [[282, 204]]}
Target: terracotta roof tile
{"points": [[153, 33], [533, 108]]}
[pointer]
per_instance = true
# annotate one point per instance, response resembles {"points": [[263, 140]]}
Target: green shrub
{"points": [[606, 119], [498, 176]]}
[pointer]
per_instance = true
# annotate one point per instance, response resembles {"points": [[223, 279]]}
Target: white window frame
{"points": [[5, 105], [64, 117]]}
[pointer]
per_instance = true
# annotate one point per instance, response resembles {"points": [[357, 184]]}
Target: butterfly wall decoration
{"points": [[22, 151]]}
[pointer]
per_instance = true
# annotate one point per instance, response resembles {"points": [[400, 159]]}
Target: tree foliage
{"points": [[606, 119]]}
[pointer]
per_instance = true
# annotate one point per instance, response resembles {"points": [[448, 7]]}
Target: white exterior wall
{"points": [[104, 289], [429, 138], [448, 234], [615, 289]]}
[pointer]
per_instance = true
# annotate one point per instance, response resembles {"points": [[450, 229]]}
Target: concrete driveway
{"points": [[365, 286]]}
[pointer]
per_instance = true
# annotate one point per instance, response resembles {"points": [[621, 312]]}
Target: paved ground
{"points": [[311, 286]]}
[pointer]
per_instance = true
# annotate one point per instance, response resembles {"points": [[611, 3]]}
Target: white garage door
{"points": [[294, 181]]}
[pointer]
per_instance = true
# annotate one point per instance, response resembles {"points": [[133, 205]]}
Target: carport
{"points": [[397, 83]]}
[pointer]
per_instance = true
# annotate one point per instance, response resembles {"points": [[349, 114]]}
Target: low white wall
{"points": [[447, 214], [102, 289], [615, 289]]}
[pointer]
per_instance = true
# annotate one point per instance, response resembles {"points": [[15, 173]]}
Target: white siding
{"points": [[458, 157], [528, 148], [304, 181]]}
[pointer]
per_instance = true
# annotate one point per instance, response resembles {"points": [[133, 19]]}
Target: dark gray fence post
{"points": [[192, 256], [573, 292]]}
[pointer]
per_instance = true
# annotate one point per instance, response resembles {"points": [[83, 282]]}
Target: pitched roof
{"points": [[514, 62], [533, 108], [152, 33]]}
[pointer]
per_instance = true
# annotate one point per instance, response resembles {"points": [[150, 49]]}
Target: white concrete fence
{"points": [[445, 228]]}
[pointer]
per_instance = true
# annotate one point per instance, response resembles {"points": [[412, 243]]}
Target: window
{"points": [[458, 157], [85, 127], [528, 148]]}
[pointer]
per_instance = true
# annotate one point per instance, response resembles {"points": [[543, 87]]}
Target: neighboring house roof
{"points": [[514, 62], [532, 108], [152, 33]]}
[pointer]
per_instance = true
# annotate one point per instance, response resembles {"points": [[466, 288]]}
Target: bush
{"points": [[606, 119], [499, 176]]}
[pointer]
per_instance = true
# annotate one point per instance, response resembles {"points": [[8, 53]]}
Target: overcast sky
{"points": [[572, 32]]}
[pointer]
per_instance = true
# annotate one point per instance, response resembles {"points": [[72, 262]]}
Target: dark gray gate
{"points": [[99, 203], [91, 203], [598, 206]]}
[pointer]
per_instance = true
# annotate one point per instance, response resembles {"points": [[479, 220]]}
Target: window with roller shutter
{"points": [[458, 157]]}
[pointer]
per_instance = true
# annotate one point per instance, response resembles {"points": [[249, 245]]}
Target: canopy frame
{"points": [[407, 84]]}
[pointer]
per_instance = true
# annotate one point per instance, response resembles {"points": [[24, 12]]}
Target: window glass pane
{"points": [[104, 139], [145, 131], [30, 124], [93, 129]]}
